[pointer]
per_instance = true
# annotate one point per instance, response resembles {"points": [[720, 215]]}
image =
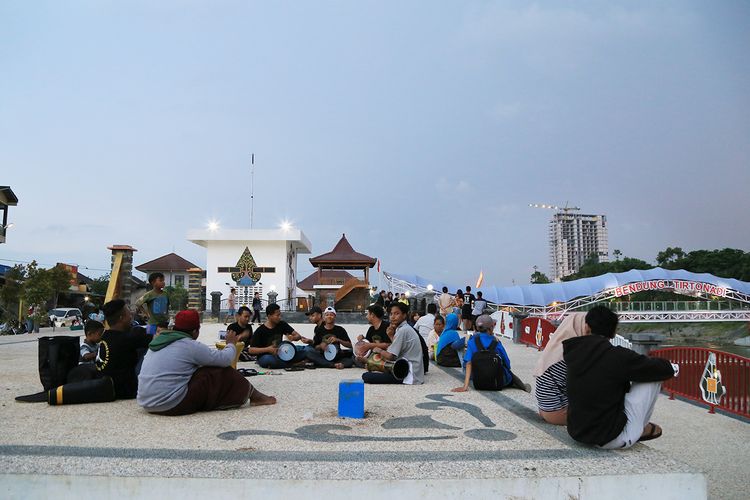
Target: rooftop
{"points": [[296, 237], [169, 262], [343, 256]]}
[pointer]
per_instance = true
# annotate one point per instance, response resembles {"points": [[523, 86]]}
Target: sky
{"points": [[421, 129]]}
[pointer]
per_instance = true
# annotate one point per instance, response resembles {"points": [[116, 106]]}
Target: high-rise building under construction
{"points": [[573, 238]]}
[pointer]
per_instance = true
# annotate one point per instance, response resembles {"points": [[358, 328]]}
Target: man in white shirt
{"points": [[424, 325]]}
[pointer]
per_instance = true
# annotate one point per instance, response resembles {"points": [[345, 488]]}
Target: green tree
{"points": [[11, 293], [669, 257], [43, 286], [99, 285], [60, 280], [727, 262], [538, 277], [178, 297]]}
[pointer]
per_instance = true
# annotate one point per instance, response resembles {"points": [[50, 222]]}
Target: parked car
{"points": [[65, 316]]}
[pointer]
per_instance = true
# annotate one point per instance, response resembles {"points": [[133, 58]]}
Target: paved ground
{"points": [[410, 433]]}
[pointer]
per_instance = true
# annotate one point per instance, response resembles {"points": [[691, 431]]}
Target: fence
{"points": [[717, 379], [621, 341]]}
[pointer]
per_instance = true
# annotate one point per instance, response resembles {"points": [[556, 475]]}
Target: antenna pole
{"points": [[252, 188]]}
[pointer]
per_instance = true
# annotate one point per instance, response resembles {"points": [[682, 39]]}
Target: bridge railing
{"points": [[621, 341], [714, 378]]}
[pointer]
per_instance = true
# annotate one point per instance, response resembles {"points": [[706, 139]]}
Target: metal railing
{"points": [[621, 341], [714, 378]]}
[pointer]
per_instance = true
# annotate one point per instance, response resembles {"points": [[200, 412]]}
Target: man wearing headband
{"points": [[180, 376]]}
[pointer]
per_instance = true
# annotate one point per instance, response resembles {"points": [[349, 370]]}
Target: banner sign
{"points": [[536, 332], [677, 286]]}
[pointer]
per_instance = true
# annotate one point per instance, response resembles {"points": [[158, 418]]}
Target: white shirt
{"points": [[424, 325]]}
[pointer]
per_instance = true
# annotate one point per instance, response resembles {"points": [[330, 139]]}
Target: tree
{"points": [[43, 286], [669, 257], [60, 279], [11, 293], [178, 297], [99, 285], [539, 278]]}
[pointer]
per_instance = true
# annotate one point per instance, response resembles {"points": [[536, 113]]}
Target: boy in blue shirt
{"points": [[484, 327]]}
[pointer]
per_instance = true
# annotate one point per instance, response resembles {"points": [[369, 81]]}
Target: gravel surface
{"points": [[410, 432]]}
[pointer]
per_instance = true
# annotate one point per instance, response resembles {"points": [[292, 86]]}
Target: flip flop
{"points": [[653, 433], [247, 372]]}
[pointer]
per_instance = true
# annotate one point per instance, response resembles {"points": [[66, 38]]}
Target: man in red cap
{"points": [[180, 376]]}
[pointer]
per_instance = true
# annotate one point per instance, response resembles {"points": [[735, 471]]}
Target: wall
{"points": [[265, 253]]}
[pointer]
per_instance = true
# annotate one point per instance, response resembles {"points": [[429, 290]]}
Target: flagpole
{"points": [[252, 188]]}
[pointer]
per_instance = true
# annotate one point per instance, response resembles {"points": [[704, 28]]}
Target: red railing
{"points": [[715, 378], [536, 331]]}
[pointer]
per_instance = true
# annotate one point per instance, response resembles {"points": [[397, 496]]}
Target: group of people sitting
{"points": [[604, 394]]}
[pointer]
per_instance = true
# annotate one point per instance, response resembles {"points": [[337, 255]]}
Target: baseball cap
{"points": [[314, 310], [329, 309], [484, 322]]}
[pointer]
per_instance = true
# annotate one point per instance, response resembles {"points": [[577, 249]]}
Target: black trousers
{"points": [[380, 378]]}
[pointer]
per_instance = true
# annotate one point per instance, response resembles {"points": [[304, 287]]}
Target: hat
{"points": [[330, 309], [187, 320], [314, 310], [484, 323]]}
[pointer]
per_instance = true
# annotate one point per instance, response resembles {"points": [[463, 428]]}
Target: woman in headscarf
{"points": [[551, 372], [450, 347]]}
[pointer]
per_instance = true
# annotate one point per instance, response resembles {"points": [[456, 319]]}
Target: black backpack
{"points": [[487, 368], [425, 354], [448, 357]]}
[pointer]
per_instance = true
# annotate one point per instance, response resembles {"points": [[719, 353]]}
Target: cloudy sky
{"points": [[421, 129]]}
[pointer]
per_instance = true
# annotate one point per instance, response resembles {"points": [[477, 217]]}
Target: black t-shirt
{"points": [[468, 305], [321, 332], [257, 304], [239, 330], [268, 337], [378, 335], [118, 356]]}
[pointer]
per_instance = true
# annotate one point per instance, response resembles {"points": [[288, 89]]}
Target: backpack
{"points": [[448, 356], [425, 354], [487, 367]]}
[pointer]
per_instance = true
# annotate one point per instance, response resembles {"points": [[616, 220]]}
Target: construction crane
{"points": [[565, 209]]}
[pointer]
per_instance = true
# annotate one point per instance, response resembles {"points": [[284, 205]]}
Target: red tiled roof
{"points": [[169, 262], [328, 274], [342, 255]]}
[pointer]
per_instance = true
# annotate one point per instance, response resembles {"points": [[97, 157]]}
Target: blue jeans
{"points": [[273, 362]]}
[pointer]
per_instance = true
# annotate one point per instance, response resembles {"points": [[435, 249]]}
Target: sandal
{"points": [[654, 431], [247, 372]]}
